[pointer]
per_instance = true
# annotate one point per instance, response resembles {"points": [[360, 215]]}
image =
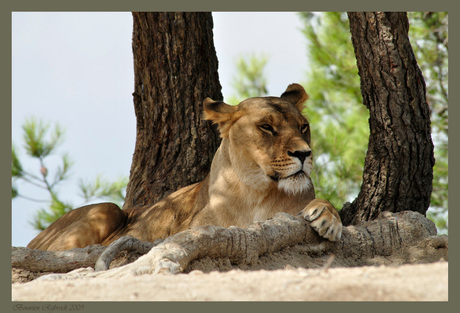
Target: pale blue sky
{"points": [[76, 69]]}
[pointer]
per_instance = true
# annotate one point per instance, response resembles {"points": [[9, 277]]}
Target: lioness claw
{"points": [[323, 218]]}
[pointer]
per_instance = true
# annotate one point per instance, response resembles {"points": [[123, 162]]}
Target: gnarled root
{"points": [[127, 243], [55, 261], [391, 233]]}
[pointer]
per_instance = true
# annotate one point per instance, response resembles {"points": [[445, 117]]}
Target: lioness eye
{"points": [[304, 128], [269, 128]]}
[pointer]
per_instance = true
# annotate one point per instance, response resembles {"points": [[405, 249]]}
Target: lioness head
{"points": [[268, 139]]}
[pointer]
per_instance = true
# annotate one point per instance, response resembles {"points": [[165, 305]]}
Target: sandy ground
{"points": [[366, 272], [427, 282]]}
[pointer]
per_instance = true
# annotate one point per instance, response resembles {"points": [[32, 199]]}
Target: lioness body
{"points": [[261, 167]]}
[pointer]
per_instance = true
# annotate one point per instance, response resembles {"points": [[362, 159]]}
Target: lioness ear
{"points": [[296, 95], [220, 113]]}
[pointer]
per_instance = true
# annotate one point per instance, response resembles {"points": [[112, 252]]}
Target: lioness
{"points": [[262, 167]]}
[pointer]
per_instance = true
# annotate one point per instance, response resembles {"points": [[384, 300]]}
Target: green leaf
{"points": [[44, 217], [14, 191], [250, 80], [63, 171], [100, 188], [339, 120], [35, 136], [17, 170]]}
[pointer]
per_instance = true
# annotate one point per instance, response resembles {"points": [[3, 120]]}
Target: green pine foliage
{"points": [[250, 80], [338, 119], [40, 143], [429, 38], [100, 188]]}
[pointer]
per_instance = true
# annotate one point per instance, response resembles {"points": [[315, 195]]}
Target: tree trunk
{"points": [[175, 69], [398, 169]]}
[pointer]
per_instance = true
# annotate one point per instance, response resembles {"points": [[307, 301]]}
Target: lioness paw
{"points": [[323, 218]]}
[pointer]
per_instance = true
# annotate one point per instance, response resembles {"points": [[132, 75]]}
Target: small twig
{"points": [[31, 199], [31, 181], [328, 263]]}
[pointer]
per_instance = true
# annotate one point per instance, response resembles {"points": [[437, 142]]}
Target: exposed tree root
{"points": [[55, 261], [391, 233], [127, 243]]}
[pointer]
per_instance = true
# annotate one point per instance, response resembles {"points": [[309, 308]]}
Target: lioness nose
{"points": [[301, 155]]}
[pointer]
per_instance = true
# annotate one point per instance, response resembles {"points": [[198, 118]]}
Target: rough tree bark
{"points": [[398, 170], [175, 68]]}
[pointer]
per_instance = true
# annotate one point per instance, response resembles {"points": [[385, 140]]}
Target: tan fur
{"points": [[256, 172]]}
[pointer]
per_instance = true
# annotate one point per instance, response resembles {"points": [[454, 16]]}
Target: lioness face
{"points": [[269, 138]]}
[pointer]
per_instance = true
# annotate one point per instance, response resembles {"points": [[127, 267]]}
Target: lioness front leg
{"points": [[324, 218]]}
